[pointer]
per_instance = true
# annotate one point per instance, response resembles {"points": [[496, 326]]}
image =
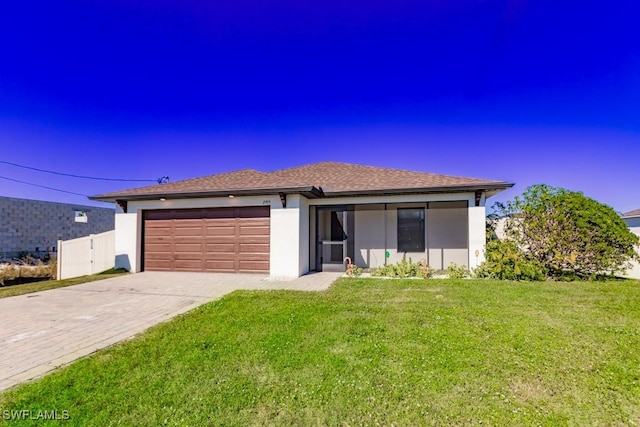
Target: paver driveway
{"points": [[42, 331]]}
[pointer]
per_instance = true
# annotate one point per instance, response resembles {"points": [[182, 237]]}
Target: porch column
{"points": [[477, 235], [289, 237]]}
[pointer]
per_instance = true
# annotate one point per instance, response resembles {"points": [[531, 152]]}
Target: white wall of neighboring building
{"points": [[634, 226]]}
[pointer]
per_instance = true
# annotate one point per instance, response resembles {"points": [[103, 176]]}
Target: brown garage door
{"points": [[218, 240]]}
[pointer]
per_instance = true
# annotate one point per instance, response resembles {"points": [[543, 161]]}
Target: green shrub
{"points": [[354, 271], [506, 261], [403, 269], [455, 271], [570, 234]]}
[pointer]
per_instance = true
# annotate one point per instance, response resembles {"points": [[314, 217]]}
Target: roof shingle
{"points": [[332, 178], [632, 213]]}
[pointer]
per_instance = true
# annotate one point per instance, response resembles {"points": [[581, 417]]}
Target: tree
{"points": [[568, 233]]}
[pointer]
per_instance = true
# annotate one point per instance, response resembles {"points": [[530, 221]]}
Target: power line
{"points": [[159, 180], [42, 186]]}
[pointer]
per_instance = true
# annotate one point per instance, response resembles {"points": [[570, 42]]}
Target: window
{"points": [[411, 230]]}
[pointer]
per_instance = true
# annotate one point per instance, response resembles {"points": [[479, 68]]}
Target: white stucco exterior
{"points": [[634, 226], [293, 228], [477, 235], [290, 238]]}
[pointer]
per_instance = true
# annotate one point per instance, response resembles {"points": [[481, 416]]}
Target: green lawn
{"points": [[28, 288], [369, 352]]}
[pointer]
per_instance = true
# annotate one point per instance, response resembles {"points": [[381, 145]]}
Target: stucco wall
{"points": [[448, 233], [369, 237], [634, 272], [29, 224], [289, 248]]}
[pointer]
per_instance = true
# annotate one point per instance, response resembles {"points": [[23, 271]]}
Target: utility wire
{"points": [[84, 177], [43, 186]]}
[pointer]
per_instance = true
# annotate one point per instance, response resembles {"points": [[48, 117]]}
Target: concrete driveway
{"points": [[42, 331]]}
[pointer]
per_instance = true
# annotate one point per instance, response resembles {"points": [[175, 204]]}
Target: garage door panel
{"points": [[253, 257], [164, 256], [220, 247], [219, 264], [254, 248], [158, 231], [187, 231], [253, 266], [188, 247], [215, 239], [220, 231], [158, 247], [187, 265], [157, 265], [254, 231]]}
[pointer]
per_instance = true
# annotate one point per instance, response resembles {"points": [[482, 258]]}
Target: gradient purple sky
{"points": [[523, 91]]}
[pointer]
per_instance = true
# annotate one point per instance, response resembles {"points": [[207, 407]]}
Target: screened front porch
{"points": [[373, 235]]}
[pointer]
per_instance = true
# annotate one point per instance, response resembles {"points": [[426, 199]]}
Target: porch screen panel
{"points": [[448, 233]]}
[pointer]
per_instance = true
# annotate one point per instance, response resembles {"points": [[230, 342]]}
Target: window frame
{"points": [[415, 242]]}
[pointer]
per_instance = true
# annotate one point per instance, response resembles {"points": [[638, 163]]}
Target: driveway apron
{"points": [[43, 331]]}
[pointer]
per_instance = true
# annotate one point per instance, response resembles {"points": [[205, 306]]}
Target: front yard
{"points": [[369, 352]]}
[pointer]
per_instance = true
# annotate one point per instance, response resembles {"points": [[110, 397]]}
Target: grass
{"points": [[28, 288], [369, 352]]}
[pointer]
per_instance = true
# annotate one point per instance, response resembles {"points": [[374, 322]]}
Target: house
{"points": [[633, 221], [36, 226], [308, 218]]}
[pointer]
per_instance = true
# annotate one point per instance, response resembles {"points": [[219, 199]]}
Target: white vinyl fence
{"points": [[86, 255]]}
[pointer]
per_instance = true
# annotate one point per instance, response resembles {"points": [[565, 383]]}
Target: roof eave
{"points": [[309, 192], [490, 189]]}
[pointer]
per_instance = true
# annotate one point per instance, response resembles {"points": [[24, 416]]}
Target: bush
{"points": [[403, 269], [11, 272], [506, 261], [354, 271], [568, 233], [8, 272], [455, 271]]}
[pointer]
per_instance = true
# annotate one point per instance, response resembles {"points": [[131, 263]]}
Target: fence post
{"points": [[59, 261], [92, 246]]}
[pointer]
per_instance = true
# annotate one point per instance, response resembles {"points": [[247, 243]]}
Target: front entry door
{"points": [[332, 238]]}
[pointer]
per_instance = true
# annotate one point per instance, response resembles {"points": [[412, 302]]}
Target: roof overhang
{"points": [[489, 189], [309, 192]]}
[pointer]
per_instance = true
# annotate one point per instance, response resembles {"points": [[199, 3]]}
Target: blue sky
{"points": [[523, 91]]}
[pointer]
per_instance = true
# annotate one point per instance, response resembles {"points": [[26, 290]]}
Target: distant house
{"points": [[309, 218], [36, 226], [633, 221]]}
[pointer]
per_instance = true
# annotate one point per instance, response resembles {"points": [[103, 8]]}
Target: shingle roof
{"points": [[632, 213], [328, 178], [336, 177]]}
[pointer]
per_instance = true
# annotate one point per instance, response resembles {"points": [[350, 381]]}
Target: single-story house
{"points": [[633, 221], [308, 218]]}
